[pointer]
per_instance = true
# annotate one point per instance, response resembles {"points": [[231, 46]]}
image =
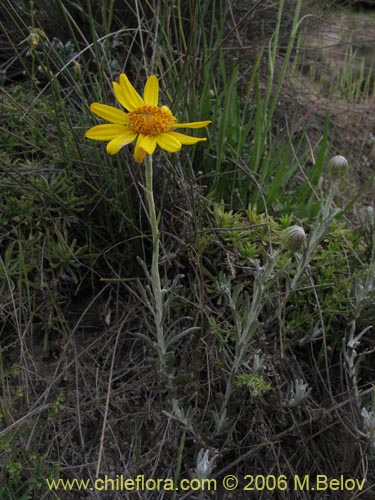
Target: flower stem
{"points": [[155, 274]]}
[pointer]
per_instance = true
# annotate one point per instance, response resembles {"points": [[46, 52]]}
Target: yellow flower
{"points": [[146, 123]]}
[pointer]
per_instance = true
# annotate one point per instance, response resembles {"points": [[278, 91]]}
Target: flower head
{"points": [[146, 123], [294, 237], [338, 166]]}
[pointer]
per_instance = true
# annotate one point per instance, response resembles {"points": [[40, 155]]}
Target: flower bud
{"points": [[33, 40], [77, 70], [338, 166], [35, 36], [294, 237], [369, 217]]}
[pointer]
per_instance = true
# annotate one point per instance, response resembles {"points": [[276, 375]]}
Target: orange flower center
{"points": [[151, 120]]}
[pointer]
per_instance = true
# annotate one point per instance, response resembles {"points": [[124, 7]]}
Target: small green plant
{"points": [[23, 477], [254, 382], [23, 470]]}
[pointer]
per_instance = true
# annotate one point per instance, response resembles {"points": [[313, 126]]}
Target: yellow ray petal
{"points": [[106, 132], [192, 124], [109, 113], [151, 92], [132, 98], [186, 139], [139, 153], [147, 143], [168, 142], [117, 143], [119, 94]]}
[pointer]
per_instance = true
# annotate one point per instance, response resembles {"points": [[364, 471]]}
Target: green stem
{"points": [[155, 275]]}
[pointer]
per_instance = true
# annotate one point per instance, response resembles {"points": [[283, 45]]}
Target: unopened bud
{"points": [[369, 217], [77, 70], [33, 40], [35, 36], [294, 237], [338, 166]]}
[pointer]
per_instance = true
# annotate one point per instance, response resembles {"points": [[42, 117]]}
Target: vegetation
{"points": [[267, 252]]}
